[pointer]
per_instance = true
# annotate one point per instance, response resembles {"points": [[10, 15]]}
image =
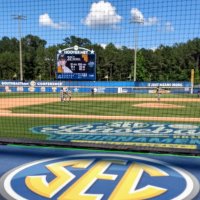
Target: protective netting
{"points": [[106, 74]]}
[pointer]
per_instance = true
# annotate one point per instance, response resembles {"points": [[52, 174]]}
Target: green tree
{"points": [[31, 44], [73, 40], [9, 66], [141, 69]]}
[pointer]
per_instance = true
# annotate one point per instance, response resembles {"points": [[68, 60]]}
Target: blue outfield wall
{"points": [[101, 86]]}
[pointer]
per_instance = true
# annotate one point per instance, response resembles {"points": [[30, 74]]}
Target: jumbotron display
{"points": [[76, 63]]}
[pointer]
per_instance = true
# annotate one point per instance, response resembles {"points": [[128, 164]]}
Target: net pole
{"points": [[192, 81]]}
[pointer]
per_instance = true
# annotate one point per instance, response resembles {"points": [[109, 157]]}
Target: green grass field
{"points": [[112, 108], [19, 127]]}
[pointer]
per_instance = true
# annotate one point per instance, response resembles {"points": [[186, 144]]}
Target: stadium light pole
{"points": [[136, 21], [19, 18]]}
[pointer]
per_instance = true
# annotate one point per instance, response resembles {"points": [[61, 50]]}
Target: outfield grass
{"points": [[114, 108]]}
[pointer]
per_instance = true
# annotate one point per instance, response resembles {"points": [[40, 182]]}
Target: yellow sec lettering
{"points": [[126, 188], [40, 186], [79, 188]]}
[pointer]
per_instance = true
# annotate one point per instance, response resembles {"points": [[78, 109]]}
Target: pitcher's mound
{"points": [[157, 105]]}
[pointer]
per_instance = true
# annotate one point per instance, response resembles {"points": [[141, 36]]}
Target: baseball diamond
{"points": [[43, 111]]}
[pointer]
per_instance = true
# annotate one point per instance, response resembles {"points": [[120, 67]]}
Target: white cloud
{"points": [[169, 27], [103, 45], [45, 20], [102, 14], [151, 21], [138, 16]]}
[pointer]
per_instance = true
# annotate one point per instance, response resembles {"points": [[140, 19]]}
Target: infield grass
{"points": [[112, 108], [19, 127]]}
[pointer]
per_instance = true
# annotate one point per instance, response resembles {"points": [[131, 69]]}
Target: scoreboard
{"points": [[76, 63]]}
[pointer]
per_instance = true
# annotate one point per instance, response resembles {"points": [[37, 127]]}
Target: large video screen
{"points": [[76, 66]]}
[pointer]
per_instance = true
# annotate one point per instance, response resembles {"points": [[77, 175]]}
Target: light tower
{"points": [[19, 18], [136, 20]]}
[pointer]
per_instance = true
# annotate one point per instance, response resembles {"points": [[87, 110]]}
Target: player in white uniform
{"points": [[69, 95], [158, 91], [61, 94], [62, 61]]}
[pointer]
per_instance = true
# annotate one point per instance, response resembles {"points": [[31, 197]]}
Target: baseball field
{"points": [[21, 111]]}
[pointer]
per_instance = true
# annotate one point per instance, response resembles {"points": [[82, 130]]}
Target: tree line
{"points": [[166, 63]]}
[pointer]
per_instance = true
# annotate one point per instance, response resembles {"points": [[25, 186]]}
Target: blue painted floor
{"points": [[53, 173]]}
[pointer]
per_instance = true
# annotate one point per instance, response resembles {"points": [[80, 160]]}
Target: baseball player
{"points": [[92, 92], [198, 93], [65, 94], [62, 68], [158, 93], [61, 94], [69, 95]]}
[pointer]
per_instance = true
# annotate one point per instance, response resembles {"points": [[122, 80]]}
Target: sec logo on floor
{"points": [[98, 177]]}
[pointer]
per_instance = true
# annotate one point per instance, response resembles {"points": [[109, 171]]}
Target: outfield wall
{"points": [[100, 86]]}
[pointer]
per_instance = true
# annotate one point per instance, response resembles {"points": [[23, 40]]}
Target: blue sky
{"points": [[164, 21]]}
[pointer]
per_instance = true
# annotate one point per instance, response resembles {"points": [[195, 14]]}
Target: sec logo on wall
{"points": [[98, 177]]}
